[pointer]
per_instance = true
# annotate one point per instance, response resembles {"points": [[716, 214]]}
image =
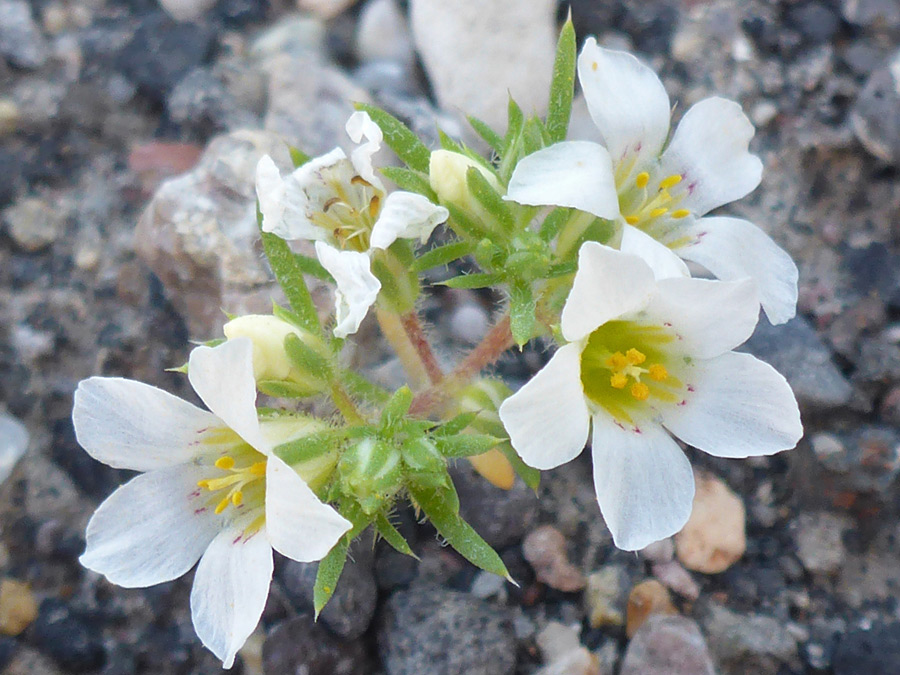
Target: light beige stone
{"points": [[714, 537]]}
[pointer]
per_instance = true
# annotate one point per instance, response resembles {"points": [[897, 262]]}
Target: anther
{"points": [[635, 357], [656, 213], [632, 220], [258, 469], [681, 213], [237, 498], [642, 179], [222, 505], [670, 181], [374, 206], [640, 391], [331, 202], [658, 372], [617, 361], [225, 463], [618, 380]]}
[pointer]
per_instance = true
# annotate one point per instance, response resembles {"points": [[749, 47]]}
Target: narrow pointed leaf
{"points": [[328, 574], [290, 278], [307, 359], [396, 407], [392, 536], [360, 387], [399, 138], [485, 194], [466, 445], [411, 181], [456, 424], [310, 447], [562, 86], [491, 137], [443, 255], [448, 143], [521, 312], [285, 389], [516, 119], [472, 281], [529, 475], [553, 223], [312, 267], [437, 505], [463, 224], [298, 157]]}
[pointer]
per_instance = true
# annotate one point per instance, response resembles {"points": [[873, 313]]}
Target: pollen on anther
{"points": [[640, 391], [618, 380], [656, 213], [681, 213], [658, 372], [222, 505], [632, 220], [642, 179], [237, 498], [225, 463], [617, 361], [666, 183], [258, 469], [635, 357]]}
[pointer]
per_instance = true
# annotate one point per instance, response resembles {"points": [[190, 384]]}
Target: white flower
{"points": [[648, 358], [211, 491], [662, 190], [357, 288], [341, 201]]}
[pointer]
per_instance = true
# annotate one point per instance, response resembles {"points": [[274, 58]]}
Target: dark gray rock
{"points": [[501, 517], [872, 13], [874, 652], [748, 643], [876, 112], [21, 41], [351, 608], [67, 639], [441, 632], [863, 461], [667, 645], [301, 646], [201, 102]]}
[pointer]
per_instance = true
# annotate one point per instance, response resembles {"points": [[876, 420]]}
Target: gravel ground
{"points": [[109, 265]]}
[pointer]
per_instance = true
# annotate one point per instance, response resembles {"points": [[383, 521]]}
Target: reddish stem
{"points": [[420, 343]]}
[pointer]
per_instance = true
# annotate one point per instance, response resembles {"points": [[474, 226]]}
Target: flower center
{"points": [[626, 366], [650, 210], [234, 484], [349, 207]]}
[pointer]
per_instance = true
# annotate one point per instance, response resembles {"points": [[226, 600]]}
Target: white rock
{"points": [[186, 10], [469, 322], [382, 33], [476, 53], [13, 443]]}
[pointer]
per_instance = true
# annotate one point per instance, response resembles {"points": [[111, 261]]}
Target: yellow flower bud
{"points": [[447, 175]]}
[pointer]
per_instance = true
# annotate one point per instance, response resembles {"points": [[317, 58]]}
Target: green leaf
{"points": [[521, 312], [306, 359], [463, 224], [443, 255], [562, 86], [438, 506], [396, 408], [466, 445], [472, 281], [290, 278], [359, 387], [456, 424], [310, 447], [328, 574], [491, 137], [530, 475], [286, 389], [514, 126], [448, 143], [312, 267], [412, 181], [298, 157], [485, 194], [534, 136], [390, 534], [562, 269], [399, 138], [553, 223]]}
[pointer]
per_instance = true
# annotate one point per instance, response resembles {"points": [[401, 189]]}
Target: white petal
{"points": [[299, 526], [406, 215], [547, 420], [644, 482], [223, 378], [576, 174], [710, 151], [152, 529], [627, 102], [710, 317], [608, 283], [284, 203], [270, 192], [732, 248], [357, 287], [360, 126], [230, 590], [662, 260], [740, 407], [132, 425]]}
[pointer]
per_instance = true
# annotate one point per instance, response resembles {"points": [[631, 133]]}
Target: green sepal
{"points": [[399, 283], [562, 86], [398, 137], [421, 455], [392, 536], [491, 137], [485, 194], [463, 224], [359, 387], [306, 359], [310, 447], [396, 408], [522, 307], [331, 566], [466, 445], [290, 278], [448, 143], [298, 157], [456, 424], [561, 270], [479, 280], [412, 181], [553, 223], [443, 255], [312, 267], [516, 120], [534, 136], [286, 389], [438, 506], [529, 475]]}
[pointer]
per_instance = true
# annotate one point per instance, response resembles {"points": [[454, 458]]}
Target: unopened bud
{"points": [[370, 472], [447, 175]]}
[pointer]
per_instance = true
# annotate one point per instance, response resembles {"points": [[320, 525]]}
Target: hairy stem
{"points": [[419, 341], [395, 332], [345, 405]]}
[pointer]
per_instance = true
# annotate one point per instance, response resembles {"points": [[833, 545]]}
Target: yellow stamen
{"points": [[656, 213], [203, 483], [222, 505], [237, 498], [374, 206], [258, 469], [670, 181], [642, 179], [635, 357], [225, 463], [618, 380], [658, 372], [681, 213], [640, 391], [617, 361], [632, 220]]}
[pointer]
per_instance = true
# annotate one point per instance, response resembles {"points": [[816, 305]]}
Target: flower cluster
{"points": [[586, 241]]}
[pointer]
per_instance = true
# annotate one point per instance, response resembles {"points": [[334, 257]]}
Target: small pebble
{"points": [[819, 538], [668, 645], [713, 538], [18, 608], [606, 596], [545, 549], [33, 223], [563, 652], [646, 599]]}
